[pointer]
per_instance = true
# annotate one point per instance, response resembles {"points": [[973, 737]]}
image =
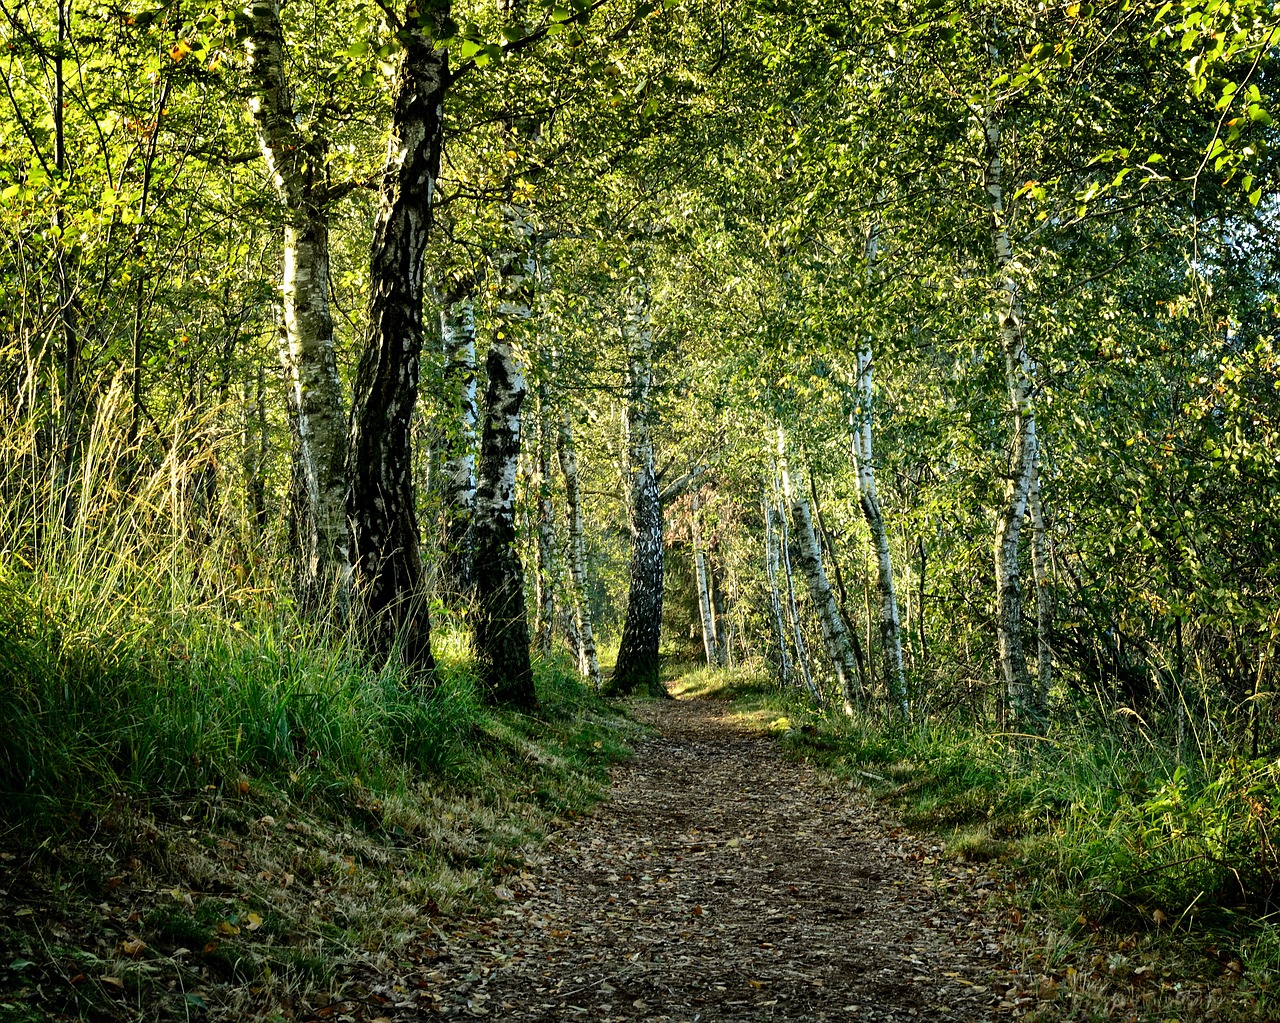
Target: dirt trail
{"points": [[721, 882]]}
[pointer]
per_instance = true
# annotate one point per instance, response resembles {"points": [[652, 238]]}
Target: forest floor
{"points": [[723, 881]]}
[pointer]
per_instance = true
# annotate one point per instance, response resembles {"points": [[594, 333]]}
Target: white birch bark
{"points": [[1044, 597], [772, 568], [835, 634], [793, 607], [458, 492], [545, 582], [868, 501], [588, 661], [719, 616], [500, 627], [710, 641], [295, 163], [1007, 299]]}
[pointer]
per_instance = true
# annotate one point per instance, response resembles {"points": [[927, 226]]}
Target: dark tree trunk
{"points": [[380, 505], [637, 668]]}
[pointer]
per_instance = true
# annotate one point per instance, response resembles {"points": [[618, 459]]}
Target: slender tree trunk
{"points": [[793, 607], [710, 642], [719, 615], [771, 561], [588, 662], [835, 635], [296, 165], [924, 650], [500, 624], [1018, 378], [458, 492], [890, 629], [546, 592], [1044, 597], [637, 669], [380, 503], [830, 556]]}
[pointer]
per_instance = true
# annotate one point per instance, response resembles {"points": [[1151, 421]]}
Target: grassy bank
{"points": [[236, 823], [1140, 886]]}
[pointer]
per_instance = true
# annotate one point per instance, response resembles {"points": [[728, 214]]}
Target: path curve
{"points": [[721, 881]]}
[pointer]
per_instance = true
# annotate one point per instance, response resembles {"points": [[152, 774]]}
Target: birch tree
{"points": [[545, 581], [458, 490], [835, 634], [295, 161], [637, 665], [868, 501], [500, 626], [1010, 315], [588, 661], [380, 502], [706, 608]]}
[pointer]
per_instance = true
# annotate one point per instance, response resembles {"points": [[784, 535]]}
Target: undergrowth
{"points": [[242, 830], [1113, 848]]}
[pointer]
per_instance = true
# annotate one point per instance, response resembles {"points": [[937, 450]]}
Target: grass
{"points": [[235, 830], [1124, 864]]}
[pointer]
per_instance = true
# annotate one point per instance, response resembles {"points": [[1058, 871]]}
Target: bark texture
{"points": [[711, 643], [1007, 301], [771, 561], [890, 626], [835, 634], [500, 624], [793, 607], [1044, 597], [458, 490], [588, 661], [545, 588], [295, 162], [637, 667], [380, 503]]}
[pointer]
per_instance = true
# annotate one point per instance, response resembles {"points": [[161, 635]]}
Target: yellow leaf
{"points": [[133, 946], [180, 49], [254, 921], [227, 927]]}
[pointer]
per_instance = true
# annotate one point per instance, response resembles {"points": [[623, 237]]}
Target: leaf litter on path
{"points": [[720, 881]]}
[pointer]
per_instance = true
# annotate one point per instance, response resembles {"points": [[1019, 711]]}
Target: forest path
{"points": [[721, 881]]}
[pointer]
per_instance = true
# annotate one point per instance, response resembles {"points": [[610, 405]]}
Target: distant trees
{"points": [[1059, 339]]}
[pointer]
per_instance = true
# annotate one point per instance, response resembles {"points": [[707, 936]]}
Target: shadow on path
{"points": [[722, 882]]}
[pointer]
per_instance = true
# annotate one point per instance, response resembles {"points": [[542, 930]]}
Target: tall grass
{"points": [[147, 647]]}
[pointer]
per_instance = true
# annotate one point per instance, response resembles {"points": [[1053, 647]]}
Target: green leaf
{"points": [[1255, 196]]}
